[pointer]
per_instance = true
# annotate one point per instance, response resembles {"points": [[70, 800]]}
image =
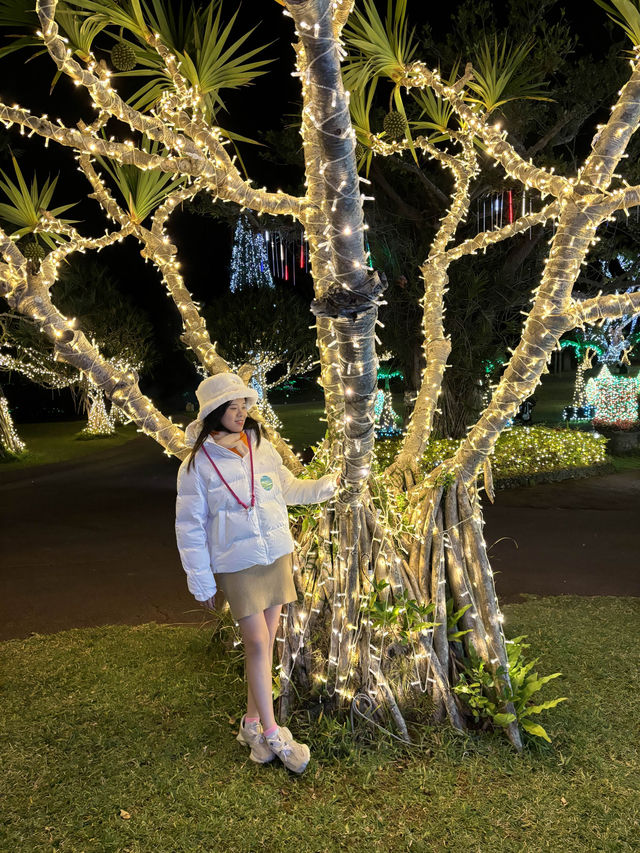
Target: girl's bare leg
{"points": [[258, 635]]}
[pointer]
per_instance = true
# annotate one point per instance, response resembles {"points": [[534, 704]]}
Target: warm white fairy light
{"points": [[98, 421], [9, 438]]}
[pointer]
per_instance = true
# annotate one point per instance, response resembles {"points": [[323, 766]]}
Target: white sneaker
{"points": [[295, 756], [250, 734]]}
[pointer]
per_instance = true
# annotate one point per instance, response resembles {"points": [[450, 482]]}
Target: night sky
{"points": [[205, 245]]}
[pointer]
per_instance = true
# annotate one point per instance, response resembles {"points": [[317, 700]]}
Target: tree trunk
{"points": [[460, 403], [333, 649]]}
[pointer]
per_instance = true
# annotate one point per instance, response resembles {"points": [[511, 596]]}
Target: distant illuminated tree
{"points": [[249, 259], [10, 442], [612, 342]]}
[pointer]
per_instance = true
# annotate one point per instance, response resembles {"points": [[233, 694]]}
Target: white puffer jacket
{"points": [[215, 533]]}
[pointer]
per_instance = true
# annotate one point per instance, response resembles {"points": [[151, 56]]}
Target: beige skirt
{"points": [[255, 589]]}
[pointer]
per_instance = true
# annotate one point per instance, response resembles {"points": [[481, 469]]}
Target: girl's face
{"points": [[235, 415]]}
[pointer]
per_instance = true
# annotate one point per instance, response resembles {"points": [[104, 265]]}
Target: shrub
{"points": [[520, 451]]}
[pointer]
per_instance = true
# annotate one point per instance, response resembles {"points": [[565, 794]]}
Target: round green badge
{"points": [[266, 482]]}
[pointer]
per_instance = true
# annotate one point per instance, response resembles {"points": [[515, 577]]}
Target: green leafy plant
{"points": [[26, 204], [486, 694], [380, 50], [453, 617], [625, 13], [143, 190], [445, 478], [435, 114], [520, 451], [79, 33], [200, 39], [360, 105], [404, 617], [500, 75]]}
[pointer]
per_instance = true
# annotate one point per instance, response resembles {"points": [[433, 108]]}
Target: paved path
{"points": [[92, 542]]}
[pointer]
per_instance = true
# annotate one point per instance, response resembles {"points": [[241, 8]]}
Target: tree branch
{"points": [[222, 176], [489, 238], [611, 141], [77, 243], [418, 76], [29, 294], [436, 345], [621, 199], [609, 307], [341, 11], [162, 253]]}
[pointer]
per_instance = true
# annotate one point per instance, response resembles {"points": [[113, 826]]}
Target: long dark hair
{"points": [[213, 423]]}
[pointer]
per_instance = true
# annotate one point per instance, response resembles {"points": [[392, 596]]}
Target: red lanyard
{"points": [[253, 492]]}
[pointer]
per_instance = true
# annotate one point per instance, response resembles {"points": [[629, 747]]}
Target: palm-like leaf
{"points": [[21, 17], [435, 111], [143, 190], [201, 41], [380, 49], [131, 15], [500, 76], [360, 107], [625, 13], [215, 64], [26, 204], [18, 14], [80, 33]]}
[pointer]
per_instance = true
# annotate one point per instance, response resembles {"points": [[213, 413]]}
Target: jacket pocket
{"points": [[218, 529]]}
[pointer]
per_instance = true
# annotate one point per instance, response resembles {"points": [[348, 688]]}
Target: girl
{"points": [[233, 533]]}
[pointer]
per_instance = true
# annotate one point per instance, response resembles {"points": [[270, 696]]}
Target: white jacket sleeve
{"points": [[303, 491], [192, 513]]}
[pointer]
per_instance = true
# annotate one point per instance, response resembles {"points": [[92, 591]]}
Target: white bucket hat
{"points": [[216, 390]]}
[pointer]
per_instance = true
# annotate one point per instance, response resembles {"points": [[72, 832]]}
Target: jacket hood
{"points": [[192, 432]]}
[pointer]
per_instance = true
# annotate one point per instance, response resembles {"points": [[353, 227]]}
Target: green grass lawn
{"points": [[122, 739], [301, 422], [58, 442]]}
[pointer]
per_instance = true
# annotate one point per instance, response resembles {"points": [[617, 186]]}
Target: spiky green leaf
{"points": [[202, 42], [25, 204], [501, 75], [141, 190], [625, 13], [378, 49]]}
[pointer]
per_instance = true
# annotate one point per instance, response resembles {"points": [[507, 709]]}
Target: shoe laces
{"points": [[284, 747], [286, 750]]}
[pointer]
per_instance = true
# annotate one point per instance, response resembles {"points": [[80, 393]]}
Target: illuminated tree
{"points": [[612, 342], [270, 328], [249, 259], [10, 442], [373, 569], [122, 331]]}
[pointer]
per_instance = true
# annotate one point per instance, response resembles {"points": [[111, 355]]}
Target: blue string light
{"points": [[249, 261]]}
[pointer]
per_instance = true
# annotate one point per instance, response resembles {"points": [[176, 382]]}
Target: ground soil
{"points": [[92, 542]]}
